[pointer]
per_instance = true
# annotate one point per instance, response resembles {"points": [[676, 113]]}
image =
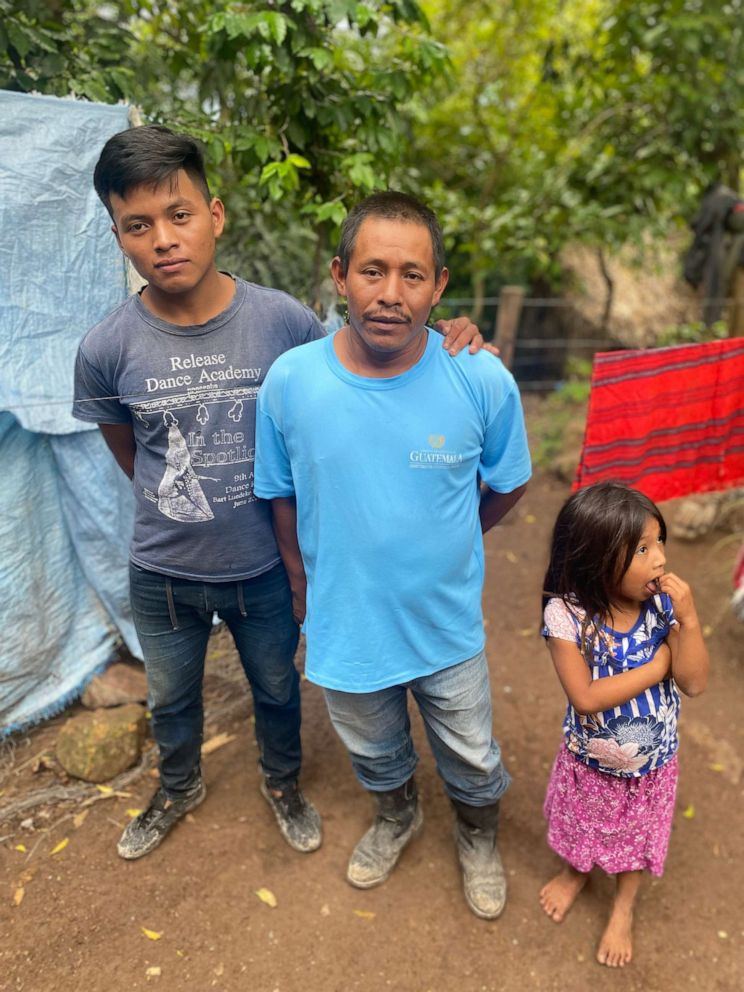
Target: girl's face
{"points": [[646, 566]]}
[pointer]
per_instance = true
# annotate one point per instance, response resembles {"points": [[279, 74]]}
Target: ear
{"points": [[440, 287], [217, 210], [115, 232], [337, 274]]}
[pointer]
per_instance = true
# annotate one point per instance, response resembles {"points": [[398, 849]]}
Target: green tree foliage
{"points": [[552, 120], [297, 101], [591, 120]]}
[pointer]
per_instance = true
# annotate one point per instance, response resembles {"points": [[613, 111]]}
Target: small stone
{"points": [[99, 745], [118, 685]]}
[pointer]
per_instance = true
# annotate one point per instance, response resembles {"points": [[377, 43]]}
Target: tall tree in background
{"points": [[559, 120]]}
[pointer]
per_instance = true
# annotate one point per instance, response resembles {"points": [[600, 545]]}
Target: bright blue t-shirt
{"points": [[384, 472]]}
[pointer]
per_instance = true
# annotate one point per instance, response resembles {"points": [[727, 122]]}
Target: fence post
{"points": [[736, 311], [507, 321]]}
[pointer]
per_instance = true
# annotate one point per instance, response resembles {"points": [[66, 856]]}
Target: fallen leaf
{"points": [[527, 632], [717, 767], [79, 818], [18, 895], [267, 896], [21, 848], [61, 846], [180, 953], [689, 812], [105, 790], [216, 742], [511, 557], [364, 914], [723, 935], [151, 934], [154, 971], [133, 812]]}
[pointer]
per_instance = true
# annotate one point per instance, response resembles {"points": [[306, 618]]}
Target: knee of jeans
{"points": [[397, 749], [276, 687]]}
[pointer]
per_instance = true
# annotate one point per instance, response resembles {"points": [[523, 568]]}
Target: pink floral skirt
{"points": [[617, 824]]}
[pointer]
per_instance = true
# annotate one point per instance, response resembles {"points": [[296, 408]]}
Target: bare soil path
{"points": [[82, 918]]}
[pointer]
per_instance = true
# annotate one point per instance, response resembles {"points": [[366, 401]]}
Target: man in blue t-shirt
{"points": [[171, 377], [385, 462]]}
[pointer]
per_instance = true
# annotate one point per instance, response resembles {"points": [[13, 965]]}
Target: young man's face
{"points": [[390, 284], [168, 232]]}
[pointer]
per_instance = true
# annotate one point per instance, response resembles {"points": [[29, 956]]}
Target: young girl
{"points": [[624, 637]]}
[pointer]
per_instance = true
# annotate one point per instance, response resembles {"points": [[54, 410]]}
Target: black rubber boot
{"points": [[483, 878], [398, 819]]}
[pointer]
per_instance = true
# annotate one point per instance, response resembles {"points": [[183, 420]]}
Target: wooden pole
{"points": [[507, 321]]}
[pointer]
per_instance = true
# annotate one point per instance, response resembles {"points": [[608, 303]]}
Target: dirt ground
{"points": [[81, 922]]}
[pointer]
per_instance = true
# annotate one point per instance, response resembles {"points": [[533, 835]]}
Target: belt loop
{"points": [[171, 603], [241, 600]]}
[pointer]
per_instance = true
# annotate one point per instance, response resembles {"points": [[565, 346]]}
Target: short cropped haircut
{"points": [[390, 205], [147, 156], [594, 539]]}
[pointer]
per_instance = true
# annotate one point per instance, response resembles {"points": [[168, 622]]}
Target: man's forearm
{"points": [[120, 441], [495, 506], [284, 514]]}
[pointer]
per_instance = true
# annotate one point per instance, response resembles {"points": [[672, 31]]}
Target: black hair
{"points": [[147, 155], [391, 205], [594, 539]]}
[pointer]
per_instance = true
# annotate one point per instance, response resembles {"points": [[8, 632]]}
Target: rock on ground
{"points": [[99, 745]]}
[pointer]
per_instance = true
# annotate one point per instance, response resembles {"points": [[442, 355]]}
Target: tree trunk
{"points": [[609, 283], [478, 283]]}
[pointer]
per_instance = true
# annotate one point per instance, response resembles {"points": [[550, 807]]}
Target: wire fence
{"points": [[548, 331], [539, 361]]}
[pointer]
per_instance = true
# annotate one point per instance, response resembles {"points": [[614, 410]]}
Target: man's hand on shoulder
{"points": [[460, 332]]}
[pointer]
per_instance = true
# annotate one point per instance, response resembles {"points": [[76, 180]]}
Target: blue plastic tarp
{"points": [[67, 509]]}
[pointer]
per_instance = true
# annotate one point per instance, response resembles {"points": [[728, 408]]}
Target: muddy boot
{"points": [[483, 878], [398, 819]]}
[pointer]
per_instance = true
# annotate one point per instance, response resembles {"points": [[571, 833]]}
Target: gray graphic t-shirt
{"points": [[190, 395]]}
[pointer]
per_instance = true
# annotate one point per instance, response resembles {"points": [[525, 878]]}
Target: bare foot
{"points": [[616, 946], [558, 896]]}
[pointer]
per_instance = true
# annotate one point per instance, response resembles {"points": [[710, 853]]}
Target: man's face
{"points": [[168, 232], [390, 284]]}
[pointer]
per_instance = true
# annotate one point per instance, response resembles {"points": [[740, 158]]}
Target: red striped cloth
{"points": [[667, 421]]}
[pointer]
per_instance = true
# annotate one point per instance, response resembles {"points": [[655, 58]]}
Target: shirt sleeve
{"points": [[95, 400], [559, 622], [272, 470], [505, 460], [315, 329]]}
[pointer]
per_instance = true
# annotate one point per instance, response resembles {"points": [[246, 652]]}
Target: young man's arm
{"points": [[121, 444], [494, 506], [284, 514], [459, 332]]}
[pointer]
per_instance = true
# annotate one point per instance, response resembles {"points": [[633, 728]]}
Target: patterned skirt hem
{"points": [[616, 824]]}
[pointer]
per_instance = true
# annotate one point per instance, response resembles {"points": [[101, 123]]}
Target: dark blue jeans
{"points": [[173, 618]]}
